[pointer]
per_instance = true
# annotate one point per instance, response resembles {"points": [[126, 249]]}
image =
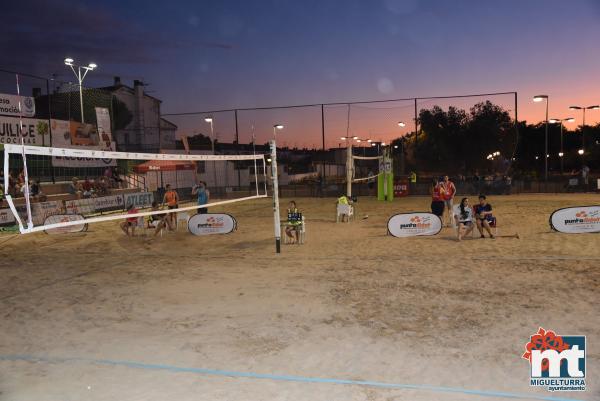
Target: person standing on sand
{"points": [[437, 199], [171, 198], [449, 192], [203, 196]]}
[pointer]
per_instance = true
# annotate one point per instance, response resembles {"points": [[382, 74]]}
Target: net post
{"points": [[277, 222], [349, 168]]}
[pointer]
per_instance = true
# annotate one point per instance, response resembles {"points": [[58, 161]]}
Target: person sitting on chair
{"points": [[483, 216], [293, 222], [343, 200], [464, 217]]}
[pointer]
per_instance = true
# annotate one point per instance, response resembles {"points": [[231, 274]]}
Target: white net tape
{"points": [[110, 206]]}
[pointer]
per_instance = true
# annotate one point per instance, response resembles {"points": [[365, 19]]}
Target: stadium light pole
{"points": [[401, 124], [212, 146], [539, 98], [90, 67], [561, 154], [584, 108]]}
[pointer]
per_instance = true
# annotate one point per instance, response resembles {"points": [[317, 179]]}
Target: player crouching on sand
{"points": [[464, 219], [130, 222], [158, 221]]}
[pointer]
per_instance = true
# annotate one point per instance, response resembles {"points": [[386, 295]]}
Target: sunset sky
{"points": [[208, 55]]}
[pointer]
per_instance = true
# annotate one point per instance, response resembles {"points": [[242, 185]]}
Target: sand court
{"points": [[352, 314]]}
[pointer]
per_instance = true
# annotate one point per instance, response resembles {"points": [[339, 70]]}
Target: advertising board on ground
{"points": [[63, 218], [413, 224], [576, 220], [211, 223]]}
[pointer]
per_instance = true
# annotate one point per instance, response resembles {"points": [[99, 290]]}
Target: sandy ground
{"points": [[352, 303]]}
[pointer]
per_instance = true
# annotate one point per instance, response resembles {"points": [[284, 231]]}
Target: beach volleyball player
{"points": [[437, 198]]}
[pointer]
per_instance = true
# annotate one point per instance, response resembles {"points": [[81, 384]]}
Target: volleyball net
{"points": [[120, 185]]}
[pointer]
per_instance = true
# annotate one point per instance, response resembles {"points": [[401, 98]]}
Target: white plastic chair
{"points": [[182, 216], [300, 230], [344, 210]]}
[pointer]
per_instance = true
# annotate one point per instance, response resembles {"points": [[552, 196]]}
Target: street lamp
{"points": [[539, 98], [90, 67], [561, 153], [275, 128], [584, 108], [581, 151]]}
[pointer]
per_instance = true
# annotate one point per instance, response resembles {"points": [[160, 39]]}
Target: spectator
{"points": [[448, 197], [464, 218], [130, 222], [483, 215], [116, 176], [75, 188], [21, 179], [101, 186], [585, 173], [12, 184], [203, 196], [35, 191], [88, 188]]}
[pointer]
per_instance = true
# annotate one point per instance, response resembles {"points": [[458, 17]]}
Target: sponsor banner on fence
{"points": [[139, 199], [103, 122], [71, 134], [63, 218], [9, 105], [34, 131], [211, 223], [39, 212], [92, 205], [412, 224], [576, 220], [6, 217], [107, 203], [401, 187]]}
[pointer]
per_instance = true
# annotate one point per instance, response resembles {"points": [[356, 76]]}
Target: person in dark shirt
{"points": [[483, 216]]}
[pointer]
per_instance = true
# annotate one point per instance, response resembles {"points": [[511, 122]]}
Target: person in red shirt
{"points": [[88, 188], [130, 222], [448, 197], [437, 198]]}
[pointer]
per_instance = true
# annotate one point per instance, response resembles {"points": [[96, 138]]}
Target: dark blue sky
{"points": [[199, 55]]}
